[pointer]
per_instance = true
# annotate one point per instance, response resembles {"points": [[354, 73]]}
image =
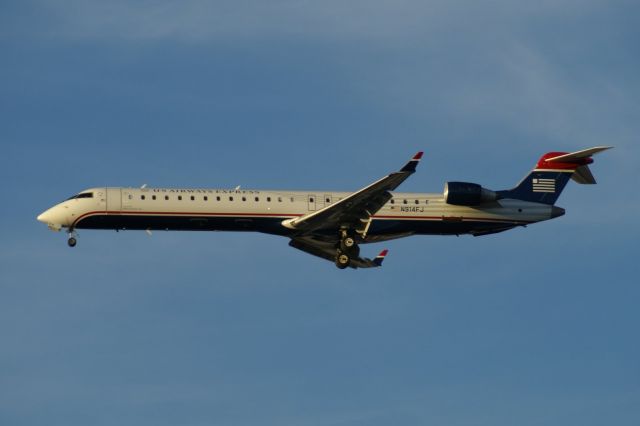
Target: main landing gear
{"points": [[342, 260], [346, 250]]}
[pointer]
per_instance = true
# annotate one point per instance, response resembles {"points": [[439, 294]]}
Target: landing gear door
{"points": [[114, 200]]}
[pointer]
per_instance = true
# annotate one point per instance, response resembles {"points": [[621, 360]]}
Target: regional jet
{"points": [[328, 224]]}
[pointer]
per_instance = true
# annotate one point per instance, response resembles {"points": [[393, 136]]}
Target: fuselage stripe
{"points": [[290, 215]]}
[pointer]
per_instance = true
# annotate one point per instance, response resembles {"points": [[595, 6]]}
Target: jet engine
{"points": [[467, 194]]}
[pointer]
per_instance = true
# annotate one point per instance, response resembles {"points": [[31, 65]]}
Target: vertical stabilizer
{"points": [[552, 172]]}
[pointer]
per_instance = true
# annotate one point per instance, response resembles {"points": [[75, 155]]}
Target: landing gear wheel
{"points": [[72, 242], [349, 246], [348, 242], [342, 261]]}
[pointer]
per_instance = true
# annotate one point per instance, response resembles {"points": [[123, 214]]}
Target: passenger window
{"points": [[217, 198], [166, 197], [230, 198], [404, 201], [244, 198], [193, 198], [180, 197], [279, 199], [268, 199], [153, 197], [205, 198], [393, 201], [257, 199], [142, 197], [417, 202], [328, 200], [311, 200]]}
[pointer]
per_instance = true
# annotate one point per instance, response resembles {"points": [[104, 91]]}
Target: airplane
{"points": [[327, 224]]}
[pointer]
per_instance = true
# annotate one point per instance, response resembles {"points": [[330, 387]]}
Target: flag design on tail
{"points": [[544, 185], [551, 174]]}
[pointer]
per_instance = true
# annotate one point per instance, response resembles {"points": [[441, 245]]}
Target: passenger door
{"points": [[114, 200]]}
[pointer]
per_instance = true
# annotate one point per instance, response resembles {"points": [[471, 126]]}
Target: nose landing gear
{"points": [[72, 241]]}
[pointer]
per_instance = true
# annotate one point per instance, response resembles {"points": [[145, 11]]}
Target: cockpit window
{"points": [[82, 195]]}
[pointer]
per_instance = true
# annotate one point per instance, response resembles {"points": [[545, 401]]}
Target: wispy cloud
{"points": [[494, 61], [194, 20]]}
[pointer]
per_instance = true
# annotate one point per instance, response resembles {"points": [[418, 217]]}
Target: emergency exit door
{"points": [[311, 201]]}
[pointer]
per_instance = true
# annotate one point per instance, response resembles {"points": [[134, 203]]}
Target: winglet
{"points": [[379, 258], [410, 167]]}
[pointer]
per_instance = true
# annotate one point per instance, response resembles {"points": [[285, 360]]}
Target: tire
{"points": [[342, 261], [348, 245], [72, 242], [348, 242]]}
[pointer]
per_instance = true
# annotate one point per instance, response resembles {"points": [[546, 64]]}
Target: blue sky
{"points": [[534, 326]]}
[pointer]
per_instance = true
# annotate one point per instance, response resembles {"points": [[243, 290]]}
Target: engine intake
{"points": [[467, 194]]}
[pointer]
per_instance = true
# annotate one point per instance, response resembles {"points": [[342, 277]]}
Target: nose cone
{"points": [[45, 217], [556, 212], [54, 216]]}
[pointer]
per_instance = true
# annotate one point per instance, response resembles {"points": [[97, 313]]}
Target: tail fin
{"points": [[551, 174]]}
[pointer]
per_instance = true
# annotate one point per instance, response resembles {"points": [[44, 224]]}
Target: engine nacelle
{"points": [[467, 194]]}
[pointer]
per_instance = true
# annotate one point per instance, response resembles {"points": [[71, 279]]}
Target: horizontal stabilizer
{"points": [[580, 161], [572, 156]]}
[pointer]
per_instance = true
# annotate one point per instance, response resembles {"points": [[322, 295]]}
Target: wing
{"points": [[352, 211], [328, 251]]}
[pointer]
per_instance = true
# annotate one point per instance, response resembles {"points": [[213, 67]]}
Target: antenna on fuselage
{"points": [[144, 185], [237, 188]]}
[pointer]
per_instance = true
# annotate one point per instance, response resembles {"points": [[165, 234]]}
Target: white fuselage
{"points": [[264, 211]]}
